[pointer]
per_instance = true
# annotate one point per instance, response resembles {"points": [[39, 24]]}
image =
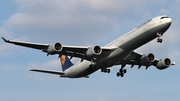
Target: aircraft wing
{"points": [[27, 44], [48, 71], [72, 51], [135, 58]]}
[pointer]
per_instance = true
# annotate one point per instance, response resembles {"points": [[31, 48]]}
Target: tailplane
{"points": [[65, 62]]}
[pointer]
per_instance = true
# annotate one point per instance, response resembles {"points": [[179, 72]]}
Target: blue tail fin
{"points": [[65, 62]]}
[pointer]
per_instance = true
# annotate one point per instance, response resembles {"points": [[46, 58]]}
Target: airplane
{"points": [[118, 52]]}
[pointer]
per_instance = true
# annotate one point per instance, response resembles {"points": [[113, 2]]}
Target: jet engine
{"points": [[147, 59], [93, 51], [163, 64], [54, 48]]}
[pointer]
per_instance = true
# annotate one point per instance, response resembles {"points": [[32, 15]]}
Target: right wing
{"points": [[57, 48]]}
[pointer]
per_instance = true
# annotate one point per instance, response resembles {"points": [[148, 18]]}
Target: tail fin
{"points": [[65, 62]]}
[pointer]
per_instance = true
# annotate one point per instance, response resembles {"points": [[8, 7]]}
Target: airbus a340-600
{"points": [[118, 52]]}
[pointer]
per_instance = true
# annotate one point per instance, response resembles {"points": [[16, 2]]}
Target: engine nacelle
{"points": [[93, 51], [147, 59], [163, 63], [54, 48]]}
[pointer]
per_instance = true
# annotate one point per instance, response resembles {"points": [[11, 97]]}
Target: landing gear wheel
{"points": [[118, 74], [108, 70], [102, 70], [122, 74], [121, 70], [159, 40], [105, 70], [125, 71]]}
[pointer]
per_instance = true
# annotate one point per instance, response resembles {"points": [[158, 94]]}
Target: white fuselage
{"points": [[124, 44]]}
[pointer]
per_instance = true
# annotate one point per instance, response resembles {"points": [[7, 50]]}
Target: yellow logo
{"points": [[63, 59]]}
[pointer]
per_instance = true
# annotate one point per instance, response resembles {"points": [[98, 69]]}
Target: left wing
{"points": [[146, 60], [83, 52], [27, 44]]}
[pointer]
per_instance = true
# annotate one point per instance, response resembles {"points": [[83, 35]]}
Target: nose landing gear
{"points": [[159, 40]]}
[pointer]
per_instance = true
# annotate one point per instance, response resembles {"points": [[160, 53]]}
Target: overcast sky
{"points": [[84, 22]]}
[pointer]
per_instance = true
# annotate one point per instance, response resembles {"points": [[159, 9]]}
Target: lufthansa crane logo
{"points": [[63, 59]]}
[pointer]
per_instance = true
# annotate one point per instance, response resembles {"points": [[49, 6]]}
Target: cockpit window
{"points": [[164, 17]]}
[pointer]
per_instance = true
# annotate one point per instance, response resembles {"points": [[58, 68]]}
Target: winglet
{"points": [[5, 39]]}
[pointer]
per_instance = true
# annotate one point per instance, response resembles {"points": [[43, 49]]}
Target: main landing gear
{"points": [[105, 70], [121, 72]]}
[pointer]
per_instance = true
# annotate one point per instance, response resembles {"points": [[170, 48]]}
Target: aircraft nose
{"points": [[166, 23], [169, 20]]}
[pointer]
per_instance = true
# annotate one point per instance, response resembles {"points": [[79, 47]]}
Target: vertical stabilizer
{"points": [[65, 62]]}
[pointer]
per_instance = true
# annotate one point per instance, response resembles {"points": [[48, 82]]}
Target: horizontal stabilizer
{"points": [[48, 71]]}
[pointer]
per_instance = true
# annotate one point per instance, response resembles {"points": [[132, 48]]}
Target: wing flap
{"points": [[48, 71]]}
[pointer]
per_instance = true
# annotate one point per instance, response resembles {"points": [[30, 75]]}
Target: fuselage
{"points": [[124, 45]]}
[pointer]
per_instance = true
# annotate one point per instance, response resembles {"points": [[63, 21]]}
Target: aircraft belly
{"points": [[86, 72], [81, 69], [115, 56]]}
